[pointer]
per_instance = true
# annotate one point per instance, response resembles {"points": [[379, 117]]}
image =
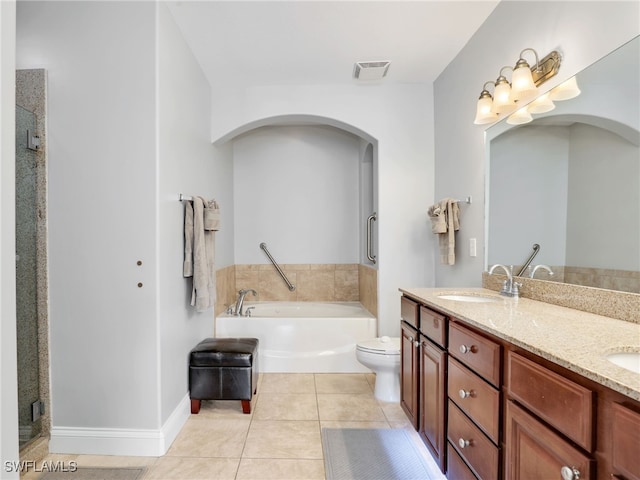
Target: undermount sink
{"points": [[628, 360], [468, 298]]}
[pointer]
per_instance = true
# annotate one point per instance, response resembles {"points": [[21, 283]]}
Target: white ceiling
{"points": [[248, 43]]}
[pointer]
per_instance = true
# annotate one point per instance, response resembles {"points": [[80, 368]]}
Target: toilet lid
{"points": [[386, 345]]}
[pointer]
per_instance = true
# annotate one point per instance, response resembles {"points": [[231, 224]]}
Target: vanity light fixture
{"points": [[519, 117], [484, 108], [525, 81]]}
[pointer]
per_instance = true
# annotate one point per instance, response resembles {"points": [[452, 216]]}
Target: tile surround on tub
{"points": [[314, 283]]}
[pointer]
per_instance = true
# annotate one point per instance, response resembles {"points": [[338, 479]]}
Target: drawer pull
{"points": [[465, 349], [464, 443], [465, 393], [569, 473], [416, 344]]}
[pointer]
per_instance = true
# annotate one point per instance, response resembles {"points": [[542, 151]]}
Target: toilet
{"points": [[382, 355]]}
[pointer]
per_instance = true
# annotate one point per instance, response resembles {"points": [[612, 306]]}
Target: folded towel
{"points": [[438, 220], [445, 222], [211, 216]]}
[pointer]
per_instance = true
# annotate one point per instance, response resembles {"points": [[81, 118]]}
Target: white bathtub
{"points": [[303, 337]]}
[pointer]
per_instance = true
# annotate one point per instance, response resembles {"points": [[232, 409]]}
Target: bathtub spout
{"points": [[240, 301]]}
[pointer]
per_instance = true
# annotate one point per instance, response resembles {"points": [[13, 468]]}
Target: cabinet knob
{"points": [[464, 393], [416, 344], [569, 473], [464, 443], [465, 349]]}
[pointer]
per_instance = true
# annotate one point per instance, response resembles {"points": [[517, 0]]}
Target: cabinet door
{"points": [[409, 372], [433, 403], [626, 442], [535, 451]]}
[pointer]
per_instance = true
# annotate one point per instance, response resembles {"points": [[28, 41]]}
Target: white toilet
{"points": [[382, 355]]}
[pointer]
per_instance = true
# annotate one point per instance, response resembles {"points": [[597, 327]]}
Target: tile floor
{"points": [[279, 440]]}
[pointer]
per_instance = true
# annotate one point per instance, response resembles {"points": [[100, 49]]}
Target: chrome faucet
{"points": [[544, 267], [240, 301], [509, 287]]}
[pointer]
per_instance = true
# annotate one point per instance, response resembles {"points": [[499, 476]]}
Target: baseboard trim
{"points": [[120, 441]]}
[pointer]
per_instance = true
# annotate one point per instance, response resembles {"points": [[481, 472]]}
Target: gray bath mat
{"points": [[96, 473], [372, 454]]}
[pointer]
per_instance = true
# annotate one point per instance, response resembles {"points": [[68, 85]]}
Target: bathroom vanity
{"points": [[513, 388]]}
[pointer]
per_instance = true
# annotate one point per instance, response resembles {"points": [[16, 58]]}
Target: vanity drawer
{"points": [[472, 445], [626, 439], [433, 325], [478, 353], [567, 406], [456, 468], [479, 400], [409, 312]]}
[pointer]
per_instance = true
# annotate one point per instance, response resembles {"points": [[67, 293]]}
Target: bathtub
{"points": [[303, 337]]}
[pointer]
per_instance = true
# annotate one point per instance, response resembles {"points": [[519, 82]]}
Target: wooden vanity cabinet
{"points": [[473, 427], [433, 383], [409, 359]]}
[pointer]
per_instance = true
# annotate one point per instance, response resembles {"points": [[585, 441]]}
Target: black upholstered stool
{"points": [[223, 369]]}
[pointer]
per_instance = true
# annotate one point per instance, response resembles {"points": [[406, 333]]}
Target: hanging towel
{"points": [[445, 222], [211, 216], [188, 240], [203, 294]]}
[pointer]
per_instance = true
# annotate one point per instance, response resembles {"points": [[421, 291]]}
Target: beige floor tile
{"points": [[351, 407], [342, 383], [114, 461], [279, 469], [204, 437], [183, 468], [283, 439], [274, 406], [393, 412], [287, 383]]}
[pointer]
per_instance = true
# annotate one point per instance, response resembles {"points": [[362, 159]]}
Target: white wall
{"points": [[128, 123], [399, 119], [8, 362], [459, 148], [296, 188]]}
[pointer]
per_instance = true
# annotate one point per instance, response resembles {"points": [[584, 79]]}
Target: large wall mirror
{"points": [[569, 182]]}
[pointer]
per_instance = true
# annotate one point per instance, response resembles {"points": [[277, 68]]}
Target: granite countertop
{"points": [[576, 340]]}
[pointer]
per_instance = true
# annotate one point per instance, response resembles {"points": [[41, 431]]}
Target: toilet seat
{"points": [[380, 346]]}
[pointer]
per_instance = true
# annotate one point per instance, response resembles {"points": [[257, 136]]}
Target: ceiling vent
{"points": [[370, 70]]}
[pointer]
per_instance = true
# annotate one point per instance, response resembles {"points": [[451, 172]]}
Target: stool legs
{"points": [[195, 406], [246, 406]]}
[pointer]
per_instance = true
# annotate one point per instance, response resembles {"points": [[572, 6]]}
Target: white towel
{"points": [[203, 293], [438, 218], [211, 215], [187, 270]]}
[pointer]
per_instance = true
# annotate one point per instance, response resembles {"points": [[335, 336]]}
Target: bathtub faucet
{"points": [[240, 301]]}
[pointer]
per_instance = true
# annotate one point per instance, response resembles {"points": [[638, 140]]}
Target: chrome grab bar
{"points": [[370, 256], [291, 286], [536, 249]]}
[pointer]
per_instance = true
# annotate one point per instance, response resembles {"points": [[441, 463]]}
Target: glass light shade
{"points": [[522, 86], [565, 90], [542, 104], [502, 101], [484, 113], [519, 117]]}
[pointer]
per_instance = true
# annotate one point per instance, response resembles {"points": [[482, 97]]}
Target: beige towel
{"points": [[187, 269], [447, 239], [438, 218], [203, 293], [211, 215]]}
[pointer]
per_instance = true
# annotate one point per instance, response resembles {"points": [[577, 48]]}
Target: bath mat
{"points": [[372, 454], [96, 473]]}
